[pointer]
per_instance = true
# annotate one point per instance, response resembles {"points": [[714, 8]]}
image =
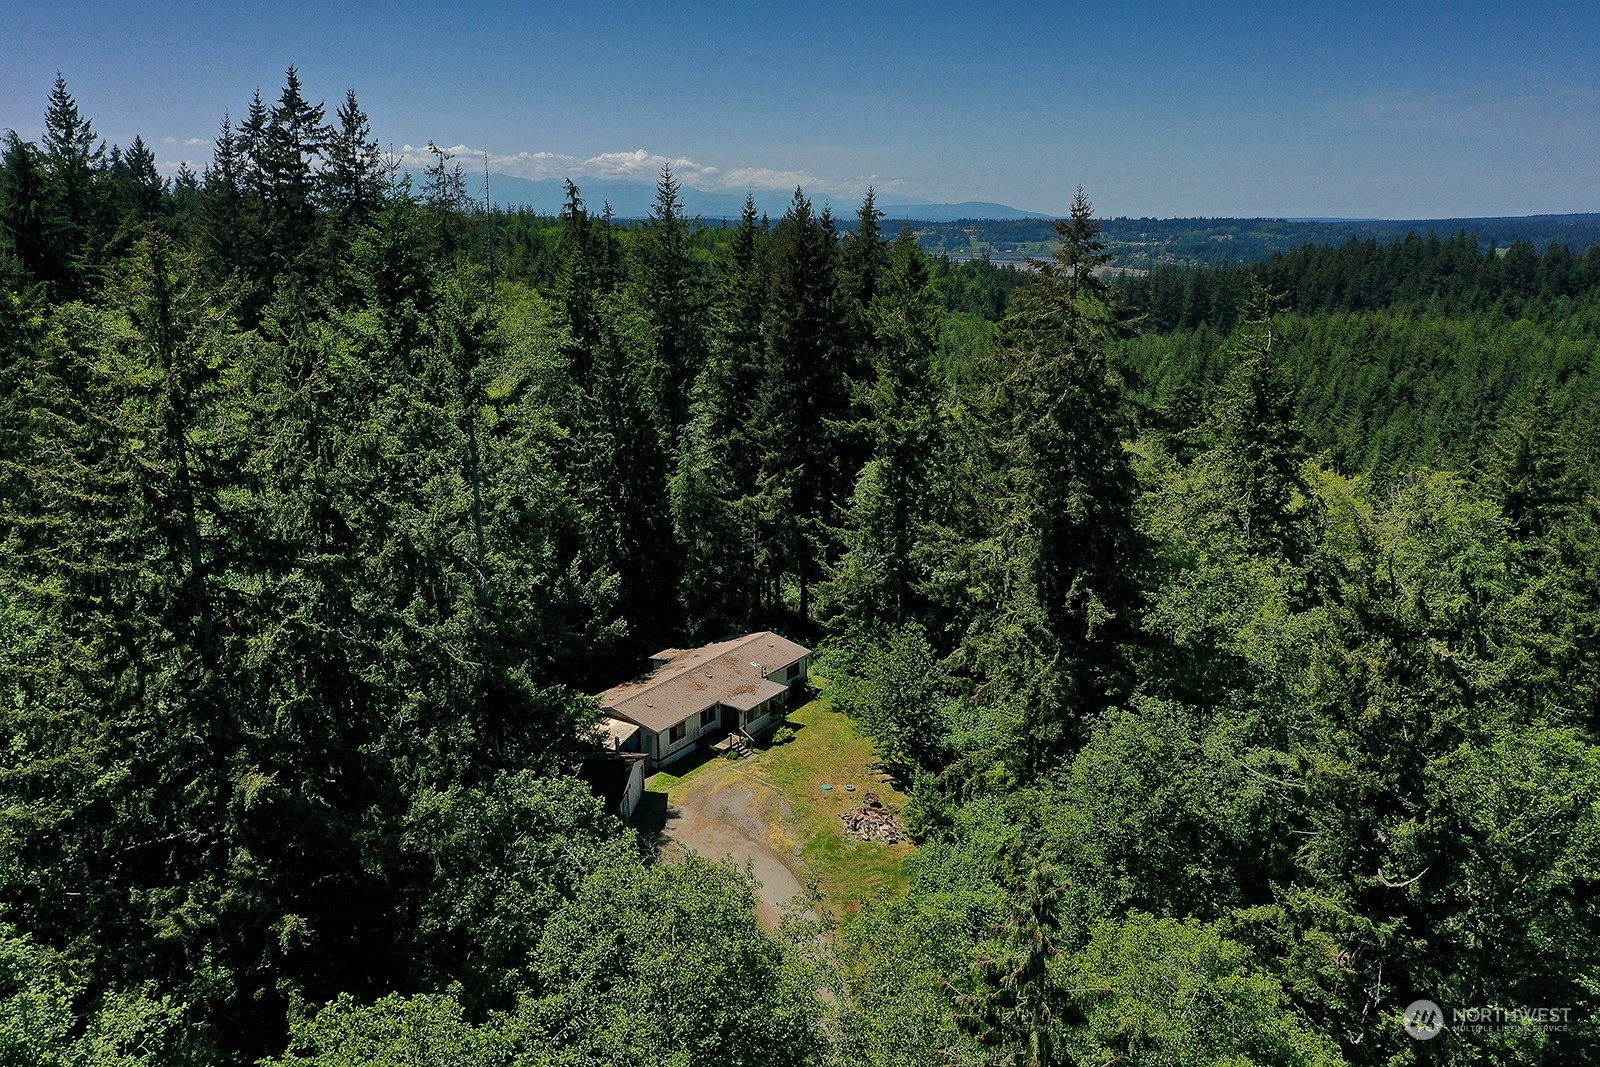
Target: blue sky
{"points": [[1399, 110]]}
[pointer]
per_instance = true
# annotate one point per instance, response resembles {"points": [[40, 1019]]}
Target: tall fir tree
{"points": [[1058, 422], [862, 260], [353, 182], [873, 585], [803, 406], [1256, 447], [222, 202], [285, 145], [737, 347], [671, 295], [582, 285], [28, 222], [140, 192], [75, 160]]}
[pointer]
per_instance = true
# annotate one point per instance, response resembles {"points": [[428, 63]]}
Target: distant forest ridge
{"points": [[972, 229], [1145, 242]]}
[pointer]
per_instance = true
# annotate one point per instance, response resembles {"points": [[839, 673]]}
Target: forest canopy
{"points": [[1234, 630]]}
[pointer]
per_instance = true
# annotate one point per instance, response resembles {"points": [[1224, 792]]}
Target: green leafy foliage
{"points": [[504, 858], [1159, 991], [666, 964], [42, 1025], [428, 1030]]}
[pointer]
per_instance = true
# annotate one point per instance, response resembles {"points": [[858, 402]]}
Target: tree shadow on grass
{"points": [[673, 774], [649, 821]]}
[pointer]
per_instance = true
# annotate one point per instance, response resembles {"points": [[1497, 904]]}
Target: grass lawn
{"points": [[685, 770], [828, 749]]}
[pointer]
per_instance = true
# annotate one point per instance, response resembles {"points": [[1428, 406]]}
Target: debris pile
{"points": [[873, 822]]}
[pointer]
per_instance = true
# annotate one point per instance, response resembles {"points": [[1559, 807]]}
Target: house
{"points": [[697, 696]]}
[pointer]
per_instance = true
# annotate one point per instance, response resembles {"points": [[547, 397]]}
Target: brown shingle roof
{"points": [[728, 672]]}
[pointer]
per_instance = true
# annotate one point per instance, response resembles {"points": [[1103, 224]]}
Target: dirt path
{"points": [[728, 815]]}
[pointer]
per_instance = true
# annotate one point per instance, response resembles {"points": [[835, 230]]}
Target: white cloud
{"points": [[643, 165], [639, 165]]}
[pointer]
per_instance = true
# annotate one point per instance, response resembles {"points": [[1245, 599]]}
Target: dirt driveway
{"points": [[728, 815]]}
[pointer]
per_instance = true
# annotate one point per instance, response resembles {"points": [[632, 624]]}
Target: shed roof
{"points": [[729, 672]]}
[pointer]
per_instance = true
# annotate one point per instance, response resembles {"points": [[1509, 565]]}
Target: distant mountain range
{"points": [[632, 200], [967, 209]]}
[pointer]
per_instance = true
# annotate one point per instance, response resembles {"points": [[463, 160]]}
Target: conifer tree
{"points": [[185, 194], [1252, 466], [617, 463], [140, 189], [622, 481], [862, 260], [222, 207], [354, 179], [284, 145], [444, 191], [714, 484], [1057, 422], [297, 137], [669, 292], [803, 405], [28, 223], [1019, 1007], [873, 584], [1526, 469], [737, 354], [75, 161], [709, 519], [581, 287], [253, 134]]}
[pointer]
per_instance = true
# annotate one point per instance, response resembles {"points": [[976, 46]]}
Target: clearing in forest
{"points": [[772, 812]]}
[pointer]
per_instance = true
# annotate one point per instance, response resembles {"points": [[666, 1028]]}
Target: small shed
{"points": [[617, 778]]}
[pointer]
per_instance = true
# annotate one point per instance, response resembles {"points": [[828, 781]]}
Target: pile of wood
{"points": [[873, 822]]}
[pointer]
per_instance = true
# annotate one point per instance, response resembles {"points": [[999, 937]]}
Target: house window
{"points": [[708, 716], [675, 734]]}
